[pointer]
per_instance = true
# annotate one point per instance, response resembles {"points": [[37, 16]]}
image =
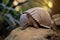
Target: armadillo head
{"points": [[24, 21]]}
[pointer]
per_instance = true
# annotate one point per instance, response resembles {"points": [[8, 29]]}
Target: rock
{"points": [[31, 33], [56, 19]]}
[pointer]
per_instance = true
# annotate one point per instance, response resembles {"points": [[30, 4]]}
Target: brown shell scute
{"points": [[41, 15]]}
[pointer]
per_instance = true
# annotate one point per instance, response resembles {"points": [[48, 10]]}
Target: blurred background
{"points": [[10, 11]]}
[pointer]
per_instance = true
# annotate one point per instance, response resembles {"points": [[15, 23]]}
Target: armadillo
{"points": [[36, 16]]}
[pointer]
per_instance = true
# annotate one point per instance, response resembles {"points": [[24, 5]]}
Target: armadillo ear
{"points": [[27, 14]]}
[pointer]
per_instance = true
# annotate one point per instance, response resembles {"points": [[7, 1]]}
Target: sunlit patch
{"points": [[50, 4], [15, 3], [17, 8], [45, 7]]}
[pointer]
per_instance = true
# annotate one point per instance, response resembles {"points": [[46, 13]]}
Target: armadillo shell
{"points": [[40, 15]]}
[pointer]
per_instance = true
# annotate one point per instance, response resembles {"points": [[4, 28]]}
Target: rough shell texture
{"points": [[41, 15]]}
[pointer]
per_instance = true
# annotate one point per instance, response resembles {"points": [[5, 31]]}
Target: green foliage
{"points": [[5, 2], [9, 17]]}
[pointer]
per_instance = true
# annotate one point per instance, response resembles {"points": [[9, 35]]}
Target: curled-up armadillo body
{"points": [[25, 21], [40, 16]]}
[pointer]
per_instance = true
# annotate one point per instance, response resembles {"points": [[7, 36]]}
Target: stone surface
{"points": [[31, 34], [56, 19]]}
